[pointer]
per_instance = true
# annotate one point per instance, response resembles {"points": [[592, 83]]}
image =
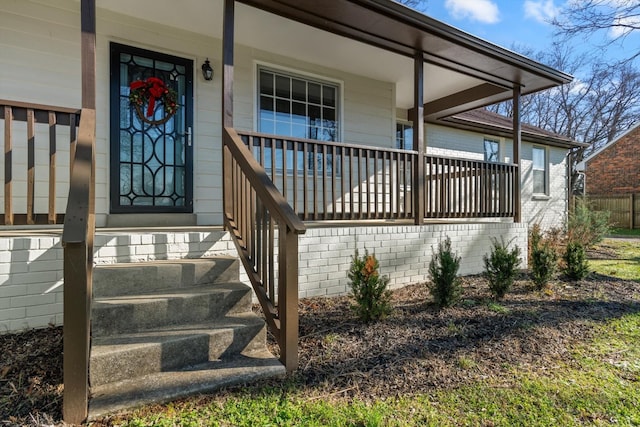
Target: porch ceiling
{"points": [[372, 38]]}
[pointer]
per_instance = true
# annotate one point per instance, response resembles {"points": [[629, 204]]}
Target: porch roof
{"points": [[377, 39], [399, 29]]}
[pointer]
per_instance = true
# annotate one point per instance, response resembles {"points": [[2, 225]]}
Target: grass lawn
{"points": [[626, 263], [597, 383], [625, 232]]}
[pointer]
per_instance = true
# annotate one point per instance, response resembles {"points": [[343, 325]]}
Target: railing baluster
{"points": [[52, 168], [295, 175], [344, 170], [359, 150], [31, 163], [334, 204], [305, 174], [351, 192], [315, 182], [8, 162], [324, 182], [285, 170]]}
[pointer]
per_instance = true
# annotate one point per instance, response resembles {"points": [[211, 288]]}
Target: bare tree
{"points": [[600, 103], [414, 4], [614, 20]]}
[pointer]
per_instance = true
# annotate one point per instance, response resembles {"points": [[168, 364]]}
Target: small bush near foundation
{"points": [[501, 267], [587, 225], [368, 288], [544, 262], [543, 255], [575, 258], [443, 270]]}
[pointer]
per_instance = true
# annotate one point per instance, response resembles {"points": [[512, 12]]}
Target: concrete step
{"points": [[166, 386], [183, 305], [136, 278], [120, 357]]}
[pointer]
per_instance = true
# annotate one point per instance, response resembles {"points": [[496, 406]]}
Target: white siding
{"points": [[36, 34]]}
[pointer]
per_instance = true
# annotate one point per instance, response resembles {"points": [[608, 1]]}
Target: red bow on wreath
{"points": [[152, 89]]}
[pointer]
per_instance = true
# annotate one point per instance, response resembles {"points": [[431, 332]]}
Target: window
{"points": [[404, 136], [491, 150], [297, 107], [539, 170]]}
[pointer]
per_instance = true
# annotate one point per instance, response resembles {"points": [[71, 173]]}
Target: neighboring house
{"points": [[615, 168], [330, 97]]}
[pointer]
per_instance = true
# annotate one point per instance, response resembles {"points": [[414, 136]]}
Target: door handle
{"points": [[188, 135]]}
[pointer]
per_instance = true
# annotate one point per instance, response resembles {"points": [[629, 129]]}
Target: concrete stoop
{"points": [[168, 329]]}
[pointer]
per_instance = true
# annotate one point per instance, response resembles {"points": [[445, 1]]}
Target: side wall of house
{"points": [[616, 169], [548, 210], [38, 32]]}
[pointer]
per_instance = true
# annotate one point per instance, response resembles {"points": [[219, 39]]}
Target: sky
{"points": [[515, 22]]}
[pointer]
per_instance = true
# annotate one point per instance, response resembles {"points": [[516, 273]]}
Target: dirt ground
{"points": [[414, 350]]}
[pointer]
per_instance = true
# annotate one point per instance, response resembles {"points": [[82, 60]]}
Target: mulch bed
{"points": [[415, 350]]}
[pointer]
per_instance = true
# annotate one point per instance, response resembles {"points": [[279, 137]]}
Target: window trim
{"points": [[293, 72], [545, 171], [484, 151], [406, 123]]}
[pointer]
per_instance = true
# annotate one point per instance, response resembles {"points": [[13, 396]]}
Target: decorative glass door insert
{"points": [[151, 155]]}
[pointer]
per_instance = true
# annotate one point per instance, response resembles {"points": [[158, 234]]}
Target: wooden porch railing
{"points": [[77, 241], [258, 216], [335, 181], [34, 116]]}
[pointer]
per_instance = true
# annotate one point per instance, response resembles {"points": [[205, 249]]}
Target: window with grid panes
{"points": [[299, 107]]}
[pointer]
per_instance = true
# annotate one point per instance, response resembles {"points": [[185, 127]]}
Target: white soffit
{"points": [[271, 33]]}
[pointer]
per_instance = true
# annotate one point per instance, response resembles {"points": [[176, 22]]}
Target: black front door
{"points": [[151, 152]]}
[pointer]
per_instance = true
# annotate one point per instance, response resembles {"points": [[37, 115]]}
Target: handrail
{"points": [[326, 143], [264, 227], [40, 107], [263, 185]]}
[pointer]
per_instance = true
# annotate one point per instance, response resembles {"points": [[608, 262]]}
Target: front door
{"points": [[151, 149]]}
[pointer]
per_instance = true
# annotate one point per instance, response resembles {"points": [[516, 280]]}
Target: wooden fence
{"points": [[624, 208]]}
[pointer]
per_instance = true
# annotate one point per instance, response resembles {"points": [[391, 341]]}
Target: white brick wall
{"points": [[31, 268], [404, 252]]}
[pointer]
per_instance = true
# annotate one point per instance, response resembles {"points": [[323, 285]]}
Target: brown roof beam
{"points": [[442, 105]]}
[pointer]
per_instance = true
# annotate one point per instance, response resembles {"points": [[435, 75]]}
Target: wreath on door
{"points": [[148, 92]]}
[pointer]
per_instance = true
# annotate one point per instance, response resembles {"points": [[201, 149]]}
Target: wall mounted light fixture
{"points": [[207, 71]]}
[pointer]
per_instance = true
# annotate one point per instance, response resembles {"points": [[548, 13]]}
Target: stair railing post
{"points": [[288, 296]]}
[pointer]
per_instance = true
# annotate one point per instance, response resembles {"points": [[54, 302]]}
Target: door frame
{"points": [[115, 49]]}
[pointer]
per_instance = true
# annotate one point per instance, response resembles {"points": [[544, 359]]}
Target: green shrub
{"points": [[369, 289], [544, 262], [575, 258], [587, 226], [501, 267], [543, 255], [446, 286]]}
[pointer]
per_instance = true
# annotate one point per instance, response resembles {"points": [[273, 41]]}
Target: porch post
{"points": [[517, 179], [418, 138], [228, 32], [78, 262]]}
